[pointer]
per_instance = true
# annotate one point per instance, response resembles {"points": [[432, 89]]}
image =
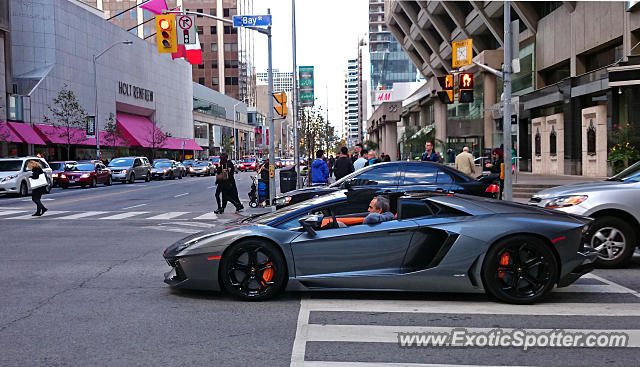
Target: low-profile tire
{"points": [[109, 181], [64, 187], [132, 178], [24, 189], [94, 183], [253, 270], [615, 239], [520, 269]]}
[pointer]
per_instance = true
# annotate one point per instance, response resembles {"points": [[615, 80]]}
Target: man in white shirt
{"points": [[360, 162]]}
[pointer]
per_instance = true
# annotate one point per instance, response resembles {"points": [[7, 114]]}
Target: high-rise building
{"points": [[364, 86], [389, 63], [352, 128], [282, 81], [227, 52]]}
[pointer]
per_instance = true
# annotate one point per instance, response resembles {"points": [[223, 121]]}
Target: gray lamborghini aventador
{"points": [[435, 242]]}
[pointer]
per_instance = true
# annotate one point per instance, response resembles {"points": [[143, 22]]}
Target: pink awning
{"points": [[7, 134], [26, 132], [139, 130], [107, 141], [176, 143], [60, 135]]}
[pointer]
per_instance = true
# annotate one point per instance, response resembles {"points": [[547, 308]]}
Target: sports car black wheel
{"points": [[520, 269], [253, 270]]}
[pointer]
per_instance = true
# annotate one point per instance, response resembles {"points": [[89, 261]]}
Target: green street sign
{"points": [[308, 96]]}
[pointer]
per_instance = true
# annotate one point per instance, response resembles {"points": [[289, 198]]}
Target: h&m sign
{"points": [[131, 90]]}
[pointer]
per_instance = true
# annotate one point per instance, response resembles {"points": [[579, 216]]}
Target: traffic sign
{"points": [[462, 53], [251, 20], [186, 29]]}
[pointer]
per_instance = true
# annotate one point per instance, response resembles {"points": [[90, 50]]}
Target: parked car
{"points": [[188, 163], [215, 160], [181, 168], [247, 164], [130, 169], [434, 243], [615, 206], [85, 174], [204, 168], [166, 170], [14, 175], [59, 167], [401, 176]]}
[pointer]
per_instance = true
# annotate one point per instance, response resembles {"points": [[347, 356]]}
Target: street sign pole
{"points": [[272, 160], [506, 115], [294, 103]]}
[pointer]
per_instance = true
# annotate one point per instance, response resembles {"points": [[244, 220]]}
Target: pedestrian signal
{"points": [[166, 33], [281, 99], [465, 88], [446, 94]]}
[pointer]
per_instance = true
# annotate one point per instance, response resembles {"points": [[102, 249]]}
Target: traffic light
{"points": [[166, 33], [281, 98], [465, 88], [446, 83]]}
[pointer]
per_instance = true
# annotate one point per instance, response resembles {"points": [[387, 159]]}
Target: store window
{"points": [[200, 131]]}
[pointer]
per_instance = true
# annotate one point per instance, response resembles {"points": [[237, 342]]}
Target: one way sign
{"points": [[251, 20]]}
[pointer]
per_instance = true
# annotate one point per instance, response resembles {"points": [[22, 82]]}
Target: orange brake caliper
{"points": [[504, 261]]}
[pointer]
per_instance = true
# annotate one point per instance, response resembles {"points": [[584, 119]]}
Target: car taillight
{"points": [[493, 188]]}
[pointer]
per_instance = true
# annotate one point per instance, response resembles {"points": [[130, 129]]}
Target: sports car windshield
{"points": [[631, 174], [266, 218]]}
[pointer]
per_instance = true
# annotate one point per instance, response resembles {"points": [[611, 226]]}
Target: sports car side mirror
{"points": [[310, 222]]}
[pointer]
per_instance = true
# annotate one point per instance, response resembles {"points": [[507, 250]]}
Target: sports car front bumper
{"points": [[588, 256], [193, 272]]}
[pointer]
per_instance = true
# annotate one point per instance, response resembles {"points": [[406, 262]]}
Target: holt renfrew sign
{"points": [[135, 92]]}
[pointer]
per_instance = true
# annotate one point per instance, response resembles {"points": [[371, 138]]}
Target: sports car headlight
{"points": [[565, 201], [283, 200], [9, 178]]}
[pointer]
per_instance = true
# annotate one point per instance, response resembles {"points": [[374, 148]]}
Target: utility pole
{"points": [[272, 160], [506, 115], [294, 103]]}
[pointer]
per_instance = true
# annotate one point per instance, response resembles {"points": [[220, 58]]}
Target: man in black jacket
{"points": [[343, 165]]}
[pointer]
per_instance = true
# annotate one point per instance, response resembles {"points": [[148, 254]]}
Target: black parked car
{"points": [[402, 176]]}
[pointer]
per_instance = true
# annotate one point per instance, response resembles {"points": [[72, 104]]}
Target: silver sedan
{"points": [[615, 206]]}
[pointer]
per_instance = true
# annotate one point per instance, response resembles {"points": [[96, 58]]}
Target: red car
{"points": [[85, 174], [58, 167], [248, 164]]}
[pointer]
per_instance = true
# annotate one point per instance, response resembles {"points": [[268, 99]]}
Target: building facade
{"points": [[352, 128], [282, 80]]}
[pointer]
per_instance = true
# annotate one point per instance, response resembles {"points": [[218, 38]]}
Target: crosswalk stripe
{"points": [[613, 284], [124, 215], [389, 334], [168, 215], [385, 364], [9, 212], [82, 215], [592, 288], [46, 215], [210, 215]]}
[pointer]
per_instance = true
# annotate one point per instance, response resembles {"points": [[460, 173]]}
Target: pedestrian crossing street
{"points": [[63, 215], [364, 332]]}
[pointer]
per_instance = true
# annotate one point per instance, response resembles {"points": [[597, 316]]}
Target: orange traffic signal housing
{"points": [[281, 98], [166, 36], [446, 83]]}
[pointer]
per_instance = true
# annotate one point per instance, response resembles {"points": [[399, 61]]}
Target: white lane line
{"points": [[302, 334], [210, 215], [389, 364], [173, 229], [211, 187], [177, 196], [593, 288], [47, 199], [168, 215], [82, 215], [9, 212], [389, 334], [135, 206], [124, 215], [615, 285], [480, 307], [47, 214]]}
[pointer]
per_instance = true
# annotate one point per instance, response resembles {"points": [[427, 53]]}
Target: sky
{"points": [[327, 34]]}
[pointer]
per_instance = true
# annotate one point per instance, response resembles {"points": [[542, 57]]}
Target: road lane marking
{"points": [[615, 285], [82, 215], [135, 206], [9, 212], [47, 214], [177, 196], [124, 215], [208, 216], [211, 187], [386, 364], [593, 288], [168, 215]]}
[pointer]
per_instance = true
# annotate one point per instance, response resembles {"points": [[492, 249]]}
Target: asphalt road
{"points": [[82, 285]]}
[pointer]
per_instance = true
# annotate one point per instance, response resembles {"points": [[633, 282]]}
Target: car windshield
{"points": [[268, 217], [82, 167], [248, 160], [8, 166], [631, 174], [162, 164], [201, 164], [121, 162], [214, 160], [187, 162], [346, 178], [57, 166]]}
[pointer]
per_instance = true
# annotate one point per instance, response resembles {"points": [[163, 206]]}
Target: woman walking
{"points": [[226, 185], [36, 195]]}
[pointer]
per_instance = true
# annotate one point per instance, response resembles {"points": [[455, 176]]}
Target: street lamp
{"points": [[235, 143], [95, 84]]}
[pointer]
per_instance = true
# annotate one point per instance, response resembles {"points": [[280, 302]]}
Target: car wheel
{"points": [[64, 187], [94, 183], [253, 270], [47, 189], [132, 178], [614, 239], [24, 189], [172, 177], [109, 181], [520, 270], [148, 177], [180, 176]]}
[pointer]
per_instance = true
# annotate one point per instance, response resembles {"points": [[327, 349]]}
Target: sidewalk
{"points": [[527, 178]]}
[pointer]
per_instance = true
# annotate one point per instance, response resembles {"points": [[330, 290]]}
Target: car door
{"points": [[420, 177], [138, 168], [103, 173]]}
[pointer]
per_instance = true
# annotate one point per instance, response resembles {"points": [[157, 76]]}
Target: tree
{"points": [[113, 136], [67, 113], [155, 138], [227, 144], [371, 145]]}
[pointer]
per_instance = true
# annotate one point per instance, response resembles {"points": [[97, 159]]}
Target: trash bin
{"points": [[288, 179]]}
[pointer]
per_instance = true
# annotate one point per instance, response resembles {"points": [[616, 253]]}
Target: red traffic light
{"points": [[164, 24]]}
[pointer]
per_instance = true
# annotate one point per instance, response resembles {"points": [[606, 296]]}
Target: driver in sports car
{"points": [[379, 211]]}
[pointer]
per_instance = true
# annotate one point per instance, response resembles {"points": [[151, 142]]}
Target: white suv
{"points": [[14, 175]]}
